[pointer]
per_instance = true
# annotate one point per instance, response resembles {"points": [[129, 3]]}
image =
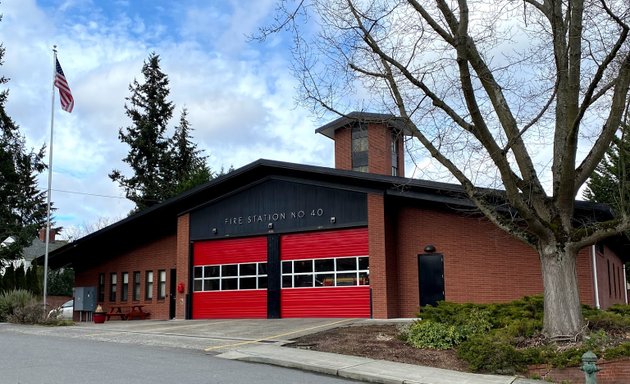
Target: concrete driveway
{"points": [[211, 336]]}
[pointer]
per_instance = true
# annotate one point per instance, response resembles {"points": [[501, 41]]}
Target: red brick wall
{"points": [[158, 255], [182, 261], [379, 151], [343, 148], [612, 372], [482, 263], [610, 272]]}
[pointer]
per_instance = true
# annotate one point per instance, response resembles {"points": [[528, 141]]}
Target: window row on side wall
{"points": [[136, 284]]}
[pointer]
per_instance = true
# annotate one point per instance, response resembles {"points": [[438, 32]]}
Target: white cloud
{"points": [[239, 94]]}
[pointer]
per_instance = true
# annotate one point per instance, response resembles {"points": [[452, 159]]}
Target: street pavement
{"points": [[260, 341]]}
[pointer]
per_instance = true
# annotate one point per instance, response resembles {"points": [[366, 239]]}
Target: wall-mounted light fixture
{"points": [[270, 226], [333, 220], [430, 248], [214, 231]]}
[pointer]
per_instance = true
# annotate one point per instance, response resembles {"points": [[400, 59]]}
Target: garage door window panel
{"points": [[324, 265], [230, 277], [332, 272]]}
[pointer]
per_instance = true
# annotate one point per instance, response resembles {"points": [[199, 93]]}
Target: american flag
{"points": [[65, 95]]}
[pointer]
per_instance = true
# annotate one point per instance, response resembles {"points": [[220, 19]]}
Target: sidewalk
{"points": [[360, 368]]}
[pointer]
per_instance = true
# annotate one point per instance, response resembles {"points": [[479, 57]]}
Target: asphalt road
{"points": [[43, 359]]}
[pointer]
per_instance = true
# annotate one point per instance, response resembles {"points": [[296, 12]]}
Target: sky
{"points": [[240, 94]]}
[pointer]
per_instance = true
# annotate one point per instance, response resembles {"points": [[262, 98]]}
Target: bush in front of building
{"points": [[13, 299], [20, 306], [31, 313], [448, 327], [507, 338]]}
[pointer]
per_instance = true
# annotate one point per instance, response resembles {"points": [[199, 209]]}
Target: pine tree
{"points": [[187, 163], [20, 277], [9, 278], [610, 183], [32, 282], [22, 204], [150, 113]]}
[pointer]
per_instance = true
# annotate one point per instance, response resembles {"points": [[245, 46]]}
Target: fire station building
{"points": [[276, 240]]}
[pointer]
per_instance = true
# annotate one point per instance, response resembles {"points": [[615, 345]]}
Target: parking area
{"points": [[210, 336]]}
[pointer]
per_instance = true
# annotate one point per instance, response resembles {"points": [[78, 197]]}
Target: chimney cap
{"points": [[329, 129]]}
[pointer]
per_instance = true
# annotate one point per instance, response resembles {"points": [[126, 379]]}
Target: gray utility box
{"points": [[85, 299]]}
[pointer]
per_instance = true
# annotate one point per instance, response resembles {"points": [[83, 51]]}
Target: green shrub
{"points": [[607, 321], [429, 334], [529, 307], [488, 353], [620, 309], [523, 329], [468, 321], [506, 338], [621, 350], [32, 313], [11, 300], [498, 315], [571, 357]]}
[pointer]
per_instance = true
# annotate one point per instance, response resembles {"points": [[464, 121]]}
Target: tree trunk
{"points": [[563, 318]]}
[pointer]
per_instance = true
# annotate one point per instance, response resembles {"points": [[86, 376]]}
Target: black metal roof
{"points": [[329, 129], [161, 220]]}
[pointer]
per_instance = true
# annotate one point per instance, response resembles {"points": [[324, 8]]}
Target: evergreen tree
{"points": [[22, 204], [61, 281], [20, 277], [610, 183], [9, 278], [150, 113], [32, 282], [187, 163]]}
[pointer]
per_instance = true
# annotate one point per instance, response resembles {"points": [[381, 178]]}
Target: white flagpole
{"points": [[50, 157]]}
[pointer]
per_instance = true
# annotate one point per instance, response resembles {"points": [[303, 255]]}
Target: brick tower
{"points": [[368, 142]]}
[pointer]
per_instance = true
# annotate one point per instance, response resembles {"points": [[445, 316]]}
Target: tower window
{"points": [[360, 148], [394, 151]]}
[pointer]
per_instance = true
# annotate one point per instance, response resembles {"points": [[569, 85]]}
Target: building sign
{"points": [[279, 206]]}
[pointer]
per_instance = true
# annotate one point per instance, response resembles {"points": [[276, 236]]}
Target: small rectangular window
{"points": [[161, 284], [136, 286], [303, 266], [324, 265], [394, 143], [124, 289], [229, 284], [101, 287], [247, 269], [212, 271], [148, 293], [112, 286], [347, 264], [360, 148], [229, 270]]}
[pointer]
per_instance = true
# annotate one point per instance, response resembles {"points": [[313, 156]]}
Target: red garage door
{"points": [[230, 279], [325, 274]]}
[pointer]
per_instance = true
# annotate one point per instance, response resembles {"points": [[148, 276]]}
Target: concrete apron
{"points": [[210, 336]]}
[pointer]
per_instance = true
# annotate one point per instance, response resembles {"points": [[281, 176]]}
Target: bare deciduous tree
{"points": [[528, 92]]}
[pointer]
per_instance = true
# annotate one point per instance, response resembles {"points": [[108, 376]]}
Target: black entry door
{"points": [[431, 276], [172, 294]]}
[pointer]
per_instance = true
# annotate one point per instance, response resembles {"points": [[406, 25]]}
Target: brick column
{"points": [[183, 249], [382, 304]]}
